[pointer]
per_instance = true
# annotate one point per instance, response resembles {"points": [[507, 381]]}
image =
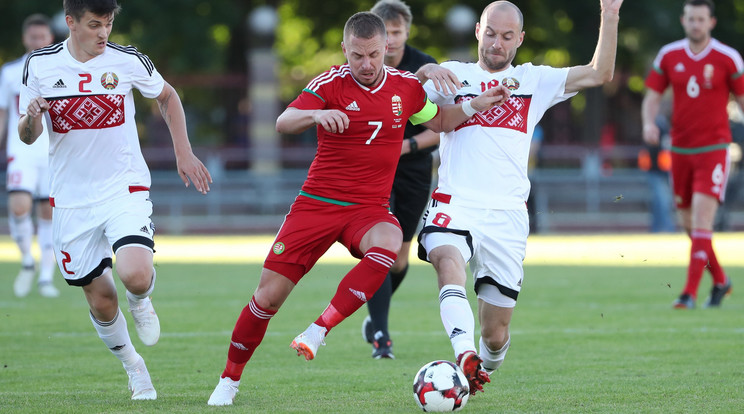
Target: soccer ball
{"points": [[440, 386]]}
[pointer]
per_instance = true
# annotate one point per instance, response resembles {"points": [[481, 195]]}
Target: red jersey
{"points": [[701, 84], [358, 165]]}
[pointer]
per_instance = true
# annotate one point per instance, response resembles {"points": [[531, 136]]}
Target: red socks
{"points": [[702, 256], [247, 335], [358, 286], [354, 290]]}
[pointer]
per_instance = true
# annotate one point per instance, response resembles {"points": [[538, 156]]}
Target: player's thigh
{"points": [[368, 226], [447, 225], [80, 246], [497, 260], [308, 231], [710, 174], [681, 178]]}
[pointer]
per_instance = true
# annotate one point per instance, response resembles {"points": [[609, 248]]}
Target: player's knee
{"points": [[136, 277], [495, 339], [104, 305], [392, 243], [266, 300]]}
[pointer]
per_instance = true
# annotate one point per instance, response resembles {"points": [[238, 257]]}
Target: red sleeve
{"points": [[316, 93], [308, 100], [736, 81], [657, 80]]}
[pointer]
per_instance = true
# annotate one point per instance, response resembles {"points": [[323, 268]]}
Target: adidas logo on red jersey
{"points": [[353, 107]]}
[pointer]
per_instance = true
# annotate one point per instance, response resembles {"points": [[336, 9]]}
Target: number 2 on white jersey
{"points": [[378, 124]]}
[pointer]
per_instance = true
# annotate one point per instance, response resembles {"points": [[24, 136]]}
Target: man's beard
{"points": [[492, 64]]}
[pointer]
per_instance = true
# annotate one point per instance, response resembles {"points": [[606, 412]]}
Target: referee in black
{"points": [[412, 185]]}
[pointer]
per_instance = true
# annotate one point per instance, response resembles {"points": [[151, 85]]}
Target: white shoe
{"points": [[146, 321], [224, 393], [48, 290], [307, 343], [24, 280], [139, 382]]}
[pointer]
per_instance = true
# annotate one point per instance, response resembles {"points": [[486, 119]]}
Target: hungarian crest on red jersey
{"points": [[397, 105]]}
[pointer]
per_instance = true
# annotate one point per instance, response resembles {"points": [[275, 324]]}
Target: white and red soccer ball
{"points": [[440, 386]]}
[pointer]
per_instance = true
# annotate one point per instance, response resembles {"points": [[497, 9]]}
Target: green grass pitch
{"points": [[591, 338]]}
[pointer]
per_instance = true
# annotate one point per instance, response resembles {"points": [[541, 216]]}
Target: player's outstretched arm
{"points": [[443, 79], [294, 121], [450, 116], [29, 126], [188, 165], [602, 67]]}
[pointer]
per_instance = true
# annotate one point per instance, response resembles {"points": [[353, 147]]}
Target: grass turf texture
{"points": [[600, 338]]}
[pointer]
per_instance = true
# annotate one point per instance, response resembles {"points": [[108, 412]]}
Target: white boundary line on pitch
{"points": [[564, 331], [639, 250]]}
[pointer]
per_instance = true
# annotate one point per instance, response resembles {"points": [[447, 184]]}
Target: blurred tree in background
{"points": [[202, 47]]}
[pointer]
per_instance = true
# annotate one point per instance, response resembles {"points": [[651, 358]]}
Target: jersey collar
{"points": [[382, 83], [702, 53]]}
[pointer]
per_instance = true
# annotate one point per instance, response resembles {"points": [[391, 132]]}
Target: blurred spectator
{"points": [[736, 174], [656, 161], [535, 144]]}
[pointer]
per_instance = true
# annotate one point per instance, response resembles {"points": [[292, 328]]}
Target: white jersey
{"points": [[484, 160], [10, 90], [93, 143]]}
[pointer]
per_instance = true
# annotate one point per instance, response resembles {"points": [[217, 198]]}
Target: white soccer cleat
{"points": [[307, 343], [146, 321], [139, 382], [224, 392], [24, 280], [48, 290]]}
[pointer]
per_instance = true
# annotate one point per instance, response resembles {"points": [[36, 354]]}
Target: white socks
{"points": [[22, 231], [47, 263], [492, 360], [457, 318], [116, 337]]}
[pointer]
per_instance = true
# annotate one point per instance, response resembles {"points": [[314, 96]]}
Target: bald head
{"points": [[499, 33], [503, 6]]}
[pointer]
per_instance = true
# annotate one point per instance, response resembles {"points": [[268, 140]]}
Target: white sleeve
{"points": [[29, 90], [146, 78], [553, 84]]}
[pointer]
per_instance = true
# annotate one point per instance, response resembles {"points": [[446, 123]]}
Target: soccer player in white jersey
{"points": [[478, 212], [82, 88], [27, 178]]}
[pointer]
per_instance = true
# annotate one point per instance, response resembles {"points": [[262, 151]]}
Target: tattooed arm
{"points": [[29, 126], [189, 167]]}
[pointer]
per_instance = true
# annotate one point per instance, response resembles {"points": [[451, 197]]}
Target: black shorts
{"points": [[411, 190]]}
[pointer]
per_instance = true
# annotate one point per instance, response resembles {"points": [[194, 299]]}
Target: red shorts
{"points": [[312, 226], [705, 173]]}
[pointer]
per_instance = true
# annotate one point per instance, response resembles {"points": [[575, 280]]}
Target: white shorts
{"points": [[492, 241], [84, 237], [29, 174]]}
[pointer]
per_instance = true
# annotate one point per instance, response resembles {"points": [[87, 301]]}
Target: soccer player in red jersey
{"points": [[702, 72], [360, 110]]}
